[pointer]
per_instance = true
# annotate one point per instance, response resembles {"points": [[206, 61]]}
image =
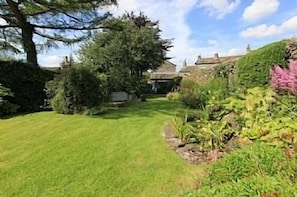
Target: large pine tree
{"points": [[38, 24]]}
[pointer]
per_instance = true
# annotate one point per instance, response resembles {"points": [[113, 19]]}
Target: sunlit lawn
{"points": [[121, 153]]}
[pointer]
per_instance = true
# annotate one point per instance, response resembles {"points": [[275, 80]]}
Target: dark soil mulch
{"points": [[190, 151]]}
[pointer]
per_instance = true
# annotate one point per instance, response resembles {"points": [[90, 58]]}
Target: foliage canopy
{"points": [[49, 21], [129, 46]]}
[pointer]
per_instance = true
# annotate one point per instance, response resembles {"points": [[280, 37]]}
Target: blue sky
{"points": [[205, 27]]}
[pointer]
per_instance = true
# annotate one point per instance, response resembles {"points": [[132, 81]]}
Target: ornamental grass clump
{"points": [[285, 79]]}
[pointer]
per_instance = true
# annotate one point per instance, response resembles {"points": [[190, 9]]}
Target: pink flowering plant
{"points": [[285, 79]]}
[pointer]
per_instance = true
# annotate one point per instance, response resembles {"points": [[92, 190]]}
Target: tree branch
{"points": [[7, 26], [91, 27], [60, 38]]}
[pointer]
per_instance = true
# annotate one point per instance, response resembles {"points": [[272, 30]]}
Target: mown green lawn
{"points": [[121, 153]]}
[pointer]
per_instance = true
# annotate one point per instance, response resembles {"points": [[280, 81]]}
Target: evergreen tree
{"points": [[66, 21], [129, 46]]}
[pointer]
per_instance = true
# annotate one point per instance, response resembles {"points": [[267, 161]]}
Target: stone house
{"points": [[161, 78], [208, 63]]}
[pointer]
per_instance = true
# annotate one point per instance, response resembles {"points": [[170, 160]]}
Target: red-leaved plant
{"points": [[285, 79]]}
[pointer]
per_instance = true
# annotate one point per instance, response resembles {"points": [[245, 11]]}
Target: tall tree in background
{"points": [[128, 46], [66, 21]]}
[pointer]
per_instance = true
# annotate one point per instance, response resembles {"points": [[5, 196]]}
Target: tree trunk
{"points": [[27, 32], [29, 45]]}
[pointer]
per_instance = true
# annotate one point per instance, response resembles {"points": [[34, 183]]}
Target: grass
{"points": [[121, 153]]}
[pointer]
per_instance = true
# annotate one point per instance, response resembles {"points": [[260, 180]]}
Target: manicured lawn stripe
{"points": [[121, 153]]}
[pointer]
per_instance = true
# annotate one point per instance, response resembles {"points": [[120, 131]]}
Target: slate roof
{"points": [[207, 63], [218, 60], [166, 71]]}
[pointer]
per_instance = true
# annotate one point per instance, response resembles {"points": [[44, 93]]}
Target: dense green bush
{"points": [[217, 87], [6, 107], [26, 82], [252, 171], [227, 71], [76, 90], [193, 95], [136, 85], [258, 159], [254, 186], [196, 95], [253, 68]]}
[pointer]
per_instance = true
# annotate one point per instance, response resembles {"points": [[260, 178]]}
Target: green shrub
{"points": [[136, 85], [26, 82], [256, 170], [227, 71], [173, 96], [6, 107], [211, 134], [253, 68], [253, 186], [182, 130], [258, 159], [217, 87], [77, 90], [196, 95], [223, 70], [196, 99]]}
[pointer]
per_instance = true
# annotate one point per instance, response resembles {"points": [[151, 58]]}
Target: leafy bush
{"points": [[217, 87], [223, 70], [173, 96], [196, 99], [197, 96], [253, 186], [26, 82], [136, 85], [77, 90], [227, 71], [6, 107], [285, 79], [256, 170], [258, 159], [192, 94], [253, 68], [211, 134], [286, 106], [181, 129]]}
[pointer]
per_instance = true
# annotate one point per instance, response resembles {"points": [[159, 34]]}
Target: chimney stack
{"points": [[185, 63], [216, 56], [248, 48]]}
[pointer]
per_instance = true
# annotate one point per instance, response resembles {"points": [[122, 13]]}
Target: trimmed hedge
{"points": [[6, 107], [26, 82], [76, 90], [253, 68]]}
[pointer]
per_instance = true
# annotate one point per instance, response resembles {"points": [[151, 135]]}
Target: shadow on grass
{"points": [[149, 108], [20, 114]]}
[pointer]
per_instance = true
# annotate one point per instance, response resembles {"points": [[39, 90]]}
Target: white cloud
{"points": [[3, 22], [50, 60], [260, 9], [212, 42], [219, 8], [265, 30], [235, 51]]}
